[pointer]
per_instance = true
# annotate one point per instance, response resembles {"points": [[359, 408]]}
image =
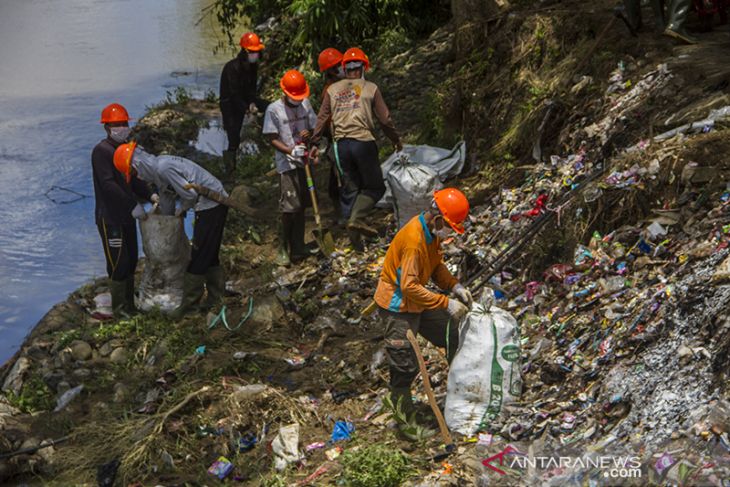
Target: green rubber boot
{"points": [[129, 295], [229, 162], [678, 11], [215, 283], [285, 227], [193, 287], [118, 290]]}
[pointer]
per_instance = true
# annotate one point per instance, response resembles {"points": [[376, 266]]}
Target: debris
{"points": [[286, 446], [67, 397], [342, 431], [221, 468]]}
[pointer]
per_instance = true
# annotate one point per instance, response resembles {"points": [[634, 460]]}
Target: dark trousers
{"points": [[361, 172], [207, 238], [433, 325], [233, 121], [120, 249]]}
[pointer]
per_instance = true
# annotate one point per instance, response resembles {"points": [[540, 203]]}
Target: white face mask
{"points": [[340, 72], [294, 103], [119, 134], [444, 233], [253, 57]]}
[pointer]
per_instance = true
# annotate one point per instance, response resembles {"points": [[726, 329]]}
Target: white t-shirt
{"points": [[287, 122]]}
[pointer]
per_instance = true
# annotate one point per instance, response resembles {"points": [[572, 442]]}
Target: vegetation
{"points": [[376, 465]]}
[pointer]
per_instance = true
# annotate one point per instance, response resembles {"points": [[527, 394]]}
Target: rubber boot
{"points": [[678, 11], [360, 208], [229, 162], [296, 238], [129, 295], [118, 290], [402, 400], [193, 287], [215, 284], [285, 226], [403, 396], [632, 8]]}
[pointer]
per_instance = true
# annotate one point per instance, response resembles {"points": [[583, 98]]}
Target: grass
{"points": [[376, 465], [34, 396]]}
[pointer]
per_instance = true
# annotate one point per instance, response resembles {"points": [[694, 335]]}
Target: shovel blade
{"points": [[324, 240]]}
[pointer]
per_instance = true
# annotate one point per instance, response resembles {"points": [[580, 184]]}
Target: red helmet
{"points": [[123, 159], [294, 85], [251, 42], [329, 58], [114, 113], [454, 207], [355, 54]]}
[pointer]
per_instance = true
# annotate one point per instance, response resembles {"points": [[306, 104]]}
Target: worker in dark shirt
{"points": [[238, 94], [115, 207]]}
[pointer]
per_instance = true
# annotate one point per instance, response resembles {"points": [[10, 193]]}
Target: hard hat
{"points": [[294, 85], [355, 54], [329, 58], [251, 42], [454, 207], [123, 159], [114, 113]]}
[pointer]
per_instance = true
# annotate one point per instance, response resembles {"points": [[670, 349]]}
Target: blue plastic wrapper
{"points": [[221, 468], [247, 442], [342, 430]]}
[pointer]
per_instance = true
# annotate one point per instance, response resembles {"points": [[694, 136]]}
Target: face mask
{"points": [[444, 233], [119, 134], [253, 57], [340, 72], [294, 103]]}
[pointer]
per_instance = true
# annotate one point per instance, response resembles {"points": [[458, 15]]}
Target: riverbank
{"points": [[623, 330]]}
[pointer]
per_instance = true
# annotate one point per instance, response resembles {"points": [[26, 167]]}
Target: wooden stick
{"points": [[429, 392]]}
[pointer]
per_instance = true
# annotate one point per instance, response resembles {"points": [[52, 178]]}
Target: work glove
{"points": [[299, 150], [155, 198], [139, 213], [253, 109], [457, 310], [463, 294]]}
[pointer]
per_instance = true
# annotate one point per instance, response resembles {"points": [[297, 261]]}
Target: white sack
{"points": [[412, 186]]}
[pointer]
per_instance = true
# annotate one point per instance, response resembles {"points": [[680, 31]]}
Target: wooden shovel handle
{"points": [[429, 392]]}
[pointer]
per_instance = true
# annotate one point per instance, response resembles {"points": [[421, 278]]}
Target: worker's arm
{"points": [[109, 184], [443, 278], [323, 118], [271, 132], [411, 287], [386, 123], [278, 144], [188, 197]]}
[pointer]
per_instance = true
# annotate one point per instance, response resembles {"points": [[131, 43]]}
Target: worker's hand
{"points": [[314, 152], [253, 109], [155, 198], [463, 294], [139, 213], [305, 134], [298, 150], [457, 310], [180, 212]]}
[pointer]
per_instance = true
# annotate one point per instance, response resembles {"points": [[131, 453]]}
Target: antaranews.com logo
{"points": [[613, 467]]}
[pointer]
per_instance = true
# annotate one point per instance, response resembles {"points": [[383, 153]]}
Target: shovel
{"points": [[323, 237], [220, 198]]}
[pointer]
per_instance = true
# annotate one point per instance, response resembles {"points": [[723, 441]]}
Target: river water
{"points": [[61, 62]]}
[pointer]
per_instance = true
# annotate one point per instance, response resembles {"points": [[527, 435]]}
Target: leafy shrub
{"points": [[376, 465]]}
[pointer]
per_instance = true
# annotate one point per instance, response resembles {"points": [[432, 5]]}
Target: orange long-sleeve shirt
{"points": [[411, 261]]}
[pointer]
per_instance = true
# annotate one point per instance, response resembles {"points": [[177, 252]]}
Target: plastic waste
{"points": [[167, 252], [342, 431], [485, 373], [286, 446], [67, 397], [221, 468]]}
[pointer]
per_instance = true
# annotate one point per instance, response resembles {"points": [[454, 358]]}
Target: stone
{"points": [[14, 381], [120, 393], [109, 347], [266, 312], [118, 356], [53, 378], [62, 387], [81, 373], [80, 350]]}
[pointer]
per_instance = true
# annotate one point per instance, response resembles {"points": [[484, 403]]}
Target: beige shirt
{"points": [[353, 105]]}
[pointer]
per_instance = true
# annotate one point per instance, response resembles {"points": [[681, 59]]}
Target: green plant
{"points": [[177, 96], [376, 465], [34, 396], [66, 337], [408, 425]]}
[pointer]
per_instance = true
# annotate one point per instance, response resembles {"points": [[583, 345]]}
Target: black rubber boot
{"points": [[632, 9], [215, 284], [129, 295], [296, 238], [118, 290], [193, 287], [678, 11], [229, 162]]}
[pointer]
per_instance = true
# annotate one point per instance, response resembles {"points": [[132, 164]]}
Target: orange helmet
{"points": [[355, 54], [454, 207], [114, 113], [294, 85], [123, 159], [329, 58], [251, 42]]}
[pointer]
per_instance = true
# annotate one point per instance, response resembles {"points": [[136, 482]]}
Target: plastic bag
{"points": [[167, 252], [485, 373], [412, 186]]}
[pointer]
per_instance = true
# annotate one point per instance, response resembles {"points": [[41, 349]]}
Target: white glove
{"points": [[463, 294], [155, 198], [253, 109], [299, 150], [457, 310], [139, 213]]}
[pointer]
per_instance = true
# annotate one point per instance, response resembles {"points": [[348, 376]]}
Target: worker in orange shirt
{"points": [[404, 302]]}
